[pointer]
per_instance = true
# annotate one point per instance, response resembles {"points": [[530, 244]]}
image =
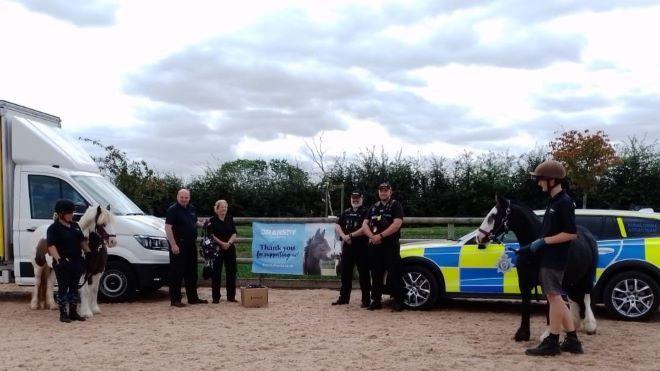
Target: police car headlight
{"points": [[153, 243]]}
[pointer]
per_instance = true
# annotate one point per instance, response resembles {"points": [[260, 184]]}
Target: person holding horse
{"points": [[66, 243], [382, 226], [181, 229], [354, 251], [558, 230], [223, 231]]}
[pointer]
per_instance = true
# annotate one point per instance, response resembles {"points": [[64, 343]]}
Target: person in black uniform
{"points": [[66, 243], [223, 230], [354, 251], [558, 230], [181, 228], [382, 226]]}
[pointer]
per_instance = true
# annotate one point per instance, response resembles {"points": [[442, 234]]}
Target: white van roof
{"points": [[36, 139]]}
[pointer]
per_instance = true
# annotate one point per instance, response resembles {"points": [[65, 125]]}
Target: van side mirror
{"points": [[79, 210]]}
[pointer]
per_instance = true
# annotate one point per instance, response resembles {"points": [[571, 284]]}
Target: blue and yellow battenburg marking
{"points": [[468, 269]]}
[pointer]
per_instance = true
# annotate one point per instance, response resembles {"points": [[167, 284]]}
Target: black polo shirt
{"points": [[381, 216], [559, 217], [183, 221], [351, 220], [222, 229], [66, 239]]}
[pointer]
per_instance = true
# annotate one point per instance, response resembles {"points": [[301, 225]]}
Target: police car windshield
{"points": [[105, 193]]}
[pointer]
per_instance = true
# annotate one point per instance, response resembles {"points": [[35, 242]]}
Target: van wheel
{"points": [[632, 296], [117, 282], [420, 287]]}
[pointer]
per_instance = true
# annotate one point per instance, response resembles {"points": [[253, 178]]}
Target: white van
{"points": [[40, 165]]}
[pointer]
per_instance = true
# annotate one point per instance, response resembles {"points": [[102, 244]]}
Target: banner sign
{"points": [[297, 249]]}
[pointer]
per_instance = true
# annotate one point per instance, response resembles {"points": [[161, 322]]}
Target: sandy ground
{"points": [[300, 330]]}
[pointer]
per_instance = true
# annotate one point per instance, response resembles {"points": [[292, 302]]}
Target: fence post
{"points": [[451, 231]]}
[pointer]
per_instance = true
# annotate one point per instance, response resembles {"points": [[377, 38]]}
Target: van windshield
{"points": [[105, 193]]}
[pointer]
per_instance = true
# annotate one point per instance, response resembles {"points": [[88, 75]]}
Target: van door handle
{"points": [[32, 229]]}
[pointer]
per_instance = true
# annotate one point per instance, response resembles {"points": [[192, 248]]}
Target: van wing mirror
{"points": [[78, 210]]}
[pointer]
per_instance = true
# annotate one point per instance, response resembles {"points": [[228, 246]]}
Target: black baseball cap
{"points": [[384, 185], [356, 194]]}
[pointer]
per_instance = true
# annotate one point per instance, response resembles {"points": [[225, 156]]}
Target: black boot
{"points": [[64, 316], [73, 313], [548, 347], [375, 305], [340, 301], [571, 344]]}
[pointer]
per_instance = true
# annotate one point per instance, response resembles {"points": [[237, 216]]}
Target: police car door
{"points": [[488, 269]]}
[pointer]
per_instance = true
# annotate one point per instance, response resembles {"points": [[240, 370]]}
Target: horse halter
{"points": [[99, 229], [502, 229]]}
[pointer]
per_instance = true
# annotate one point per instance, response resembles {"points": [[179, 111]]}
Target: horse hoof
{"points": [[591, 332], [521, 336]]}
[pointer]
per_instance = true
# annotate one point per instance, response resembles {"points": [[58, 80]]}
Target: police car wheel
{"points": [[632, 296], [420, 287], [117, 282]]}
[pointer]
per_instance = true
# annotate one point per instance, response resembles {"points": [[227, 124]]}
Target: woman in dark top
{"points": [[66, 242], [221, 227]]}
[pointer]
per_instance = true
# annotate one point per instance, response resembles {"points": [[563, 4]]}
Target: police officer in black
{"points": [[66, 243], [181, 228], [354, 251], [558, 230], [382, 226]]}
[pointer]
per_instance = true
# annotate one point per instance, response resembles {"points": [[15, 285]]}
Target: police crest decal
{"points": [[504, 264]]}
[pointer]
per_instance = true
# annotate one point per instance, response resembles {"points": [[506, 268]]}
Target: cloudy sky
{"points": [[184, 83]]}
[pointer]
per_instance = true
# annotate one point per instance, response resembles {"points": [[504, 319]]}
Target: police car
{"points": [[627, 277]]}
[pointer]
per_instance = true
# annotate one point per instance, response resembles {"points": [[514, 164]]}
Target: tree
{"points": [[587, 157], [635, 181], [256, 188], [151, 191]]}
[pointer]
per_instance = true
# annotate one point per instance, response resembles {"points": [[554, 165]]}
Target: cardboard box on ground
{"points": [[254, 297]]}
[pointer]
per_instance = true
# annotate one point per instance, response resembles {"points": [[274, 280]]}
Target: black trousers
{"points": [[386, 257], [228, 258], [183, 266], [352, 255], [68, 273]]}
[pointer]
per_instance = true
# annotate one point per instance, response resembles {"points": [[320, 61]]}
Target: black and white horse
{"points": [[97, 225], [579, 276]]}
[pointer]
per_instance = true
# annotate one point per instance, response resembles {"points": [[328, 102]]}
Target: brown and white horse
{"points": [[97, 225], [98, 228]]}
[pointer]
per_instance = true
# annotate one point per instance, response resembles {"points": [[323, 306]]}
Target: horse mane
{"points": [[106, 218], [526, 213], [88, 219]]}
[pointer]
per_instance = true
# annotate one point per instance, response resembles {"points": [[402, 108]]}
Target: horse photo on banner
{"points": [[294, 248]]}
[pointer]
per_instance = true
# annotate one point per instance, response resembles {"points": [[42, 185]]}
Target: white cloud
{"points": [[179, 84]]}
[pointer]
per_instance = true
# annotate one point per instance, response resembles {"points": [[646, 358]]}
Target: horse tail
{"points": [[587, 283], [40, 257]]}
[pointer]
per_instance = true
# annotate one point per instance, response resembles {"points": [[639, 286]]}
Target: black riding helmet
{"points": [[64, 207]]}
